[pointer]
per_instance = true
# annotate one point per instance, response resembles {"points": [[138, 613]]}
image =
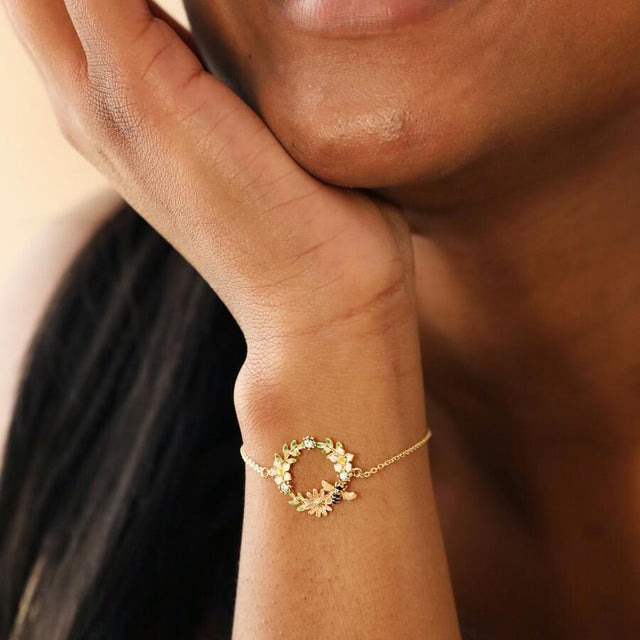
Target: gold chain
{"points": [[357, 471], [263, 471]]}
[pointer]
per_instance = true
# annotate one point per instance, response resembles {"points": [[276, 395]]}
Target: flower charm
{"points": [[280, 469], [342, 461], [316, 503]]}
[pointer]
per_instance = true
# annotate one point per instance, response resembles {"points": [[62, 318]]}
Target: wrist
{"points": [[367, 394]]}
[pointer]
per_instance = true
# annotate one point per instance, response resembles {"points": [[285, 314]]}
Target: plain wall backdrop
{"points": [[41, 176]]}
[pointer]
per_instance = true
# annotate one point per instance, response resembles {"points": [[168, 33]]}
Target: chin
{"points": [[348, 141]]}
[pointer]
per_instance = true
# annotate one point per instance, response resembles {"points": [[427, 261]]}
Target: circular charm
{"points": [[317, 503]]}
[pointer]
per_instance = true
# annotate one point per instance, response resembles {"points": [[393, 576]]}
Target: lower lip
{"points": [[358, 16]]}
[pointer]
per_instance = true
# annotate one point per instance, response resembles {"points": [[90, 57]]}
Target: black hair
{"points": [[121, 492]]}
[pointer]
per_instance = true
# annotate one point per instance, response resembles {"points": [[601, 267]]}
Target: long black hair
{"points": [[122, 486]]}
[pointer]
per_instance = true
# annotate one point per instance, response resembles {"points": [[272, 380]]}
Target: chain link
{"points": [[263, 471], [359, 473], [356, 471]]}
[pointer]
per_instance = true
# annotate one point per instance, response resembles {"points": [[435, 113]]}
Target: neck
{"points": [[529, 306]]}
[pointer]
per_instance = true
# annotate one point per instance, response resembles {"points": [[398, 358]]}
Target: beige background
{"points": [[41, 176]]}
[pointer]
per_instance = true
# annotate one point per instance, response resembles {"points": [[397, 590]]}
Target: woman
{"points": [[398, 205]]}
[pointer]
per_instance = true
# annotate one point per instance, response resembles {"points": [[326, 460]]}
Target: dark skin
{"points": [[506, 135], [511, 132]]}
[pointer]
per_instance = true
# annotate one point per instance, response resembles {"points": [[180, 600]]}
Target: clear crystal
{"points": [[344, 475], [285, 487], [309, 442]]}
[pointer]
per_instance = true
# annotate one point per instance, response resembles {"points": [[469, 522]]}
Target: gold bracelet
{"points": [[319, 503]]}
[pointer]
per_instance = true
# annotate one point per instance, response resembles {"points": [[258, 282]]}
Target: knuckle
{"points": [[71, 131], [120, 98], [70, 121], [114, 104], [78, 131], [114, 116], [94, 127]]}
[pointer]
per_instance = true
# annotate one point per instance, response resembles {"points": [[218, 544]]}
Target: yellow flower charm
{"points": [[342, 461], [280, 470]]}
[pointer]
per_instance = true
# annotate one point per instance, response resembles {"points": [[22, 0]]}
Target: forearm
{"points": [[375, 566]]}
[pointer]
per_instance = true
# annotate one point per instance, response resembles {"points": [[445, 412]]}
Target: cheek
{"points": [[570, 61]]}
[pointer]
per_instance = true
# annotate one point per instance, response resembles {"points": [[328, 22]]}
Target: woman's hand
{"points": [[289, 255]]}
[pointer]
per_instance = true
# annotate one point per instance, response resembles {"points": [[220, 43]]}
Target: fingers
{"points": [[47, 33], [108, 27], [136, 68], [50, 37], [143, 71], [122, 39]]}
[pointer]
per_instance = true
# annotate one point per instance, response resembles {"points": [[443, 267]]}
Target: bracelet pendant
{"points": [[318, 503]]}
